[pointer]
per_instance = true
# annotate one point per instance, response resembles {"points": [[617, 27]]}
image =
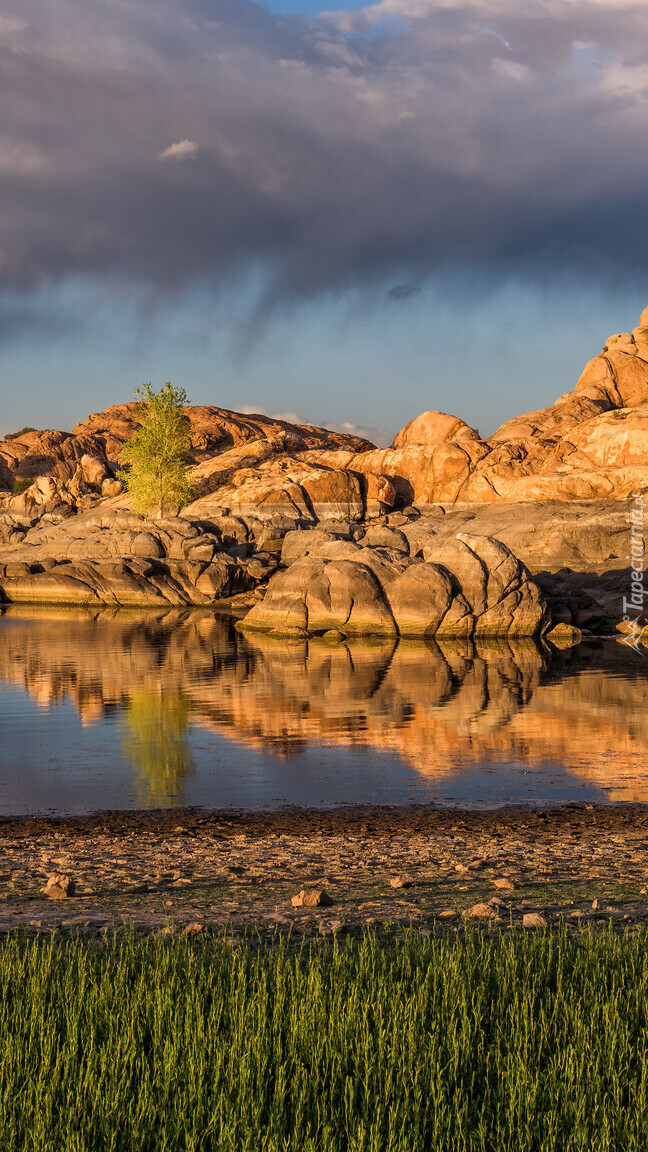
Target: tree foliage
{"points": [[158, 451]]}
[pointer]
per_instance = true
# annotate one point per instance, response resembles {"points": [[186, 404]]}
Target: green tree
{"points": [[158, 451]]}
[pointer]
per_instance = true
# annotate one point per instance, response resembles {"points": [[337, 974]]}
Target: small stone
{"points": [[481, 912], [504, 884], [643, 891], [564, 636], [596, 904], [193, 929], [59, 886], [168, 903], [460, 868], [534, 920], [448, 914], [330, 927], [311, 898], [401, 882]]}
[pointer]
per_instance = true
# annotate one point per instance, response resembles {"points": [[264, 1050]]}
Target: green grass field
{"points": [[433, 1043]]}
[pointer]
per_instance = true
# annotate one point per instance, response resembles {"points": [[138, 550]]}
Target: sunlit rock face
{"points": [[442, 709], [553, 488], [592, 444], [475, 587]]}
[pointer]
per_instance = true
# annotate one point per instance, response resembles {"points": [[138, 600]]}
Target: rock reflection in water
{"points": [[439, 710]]}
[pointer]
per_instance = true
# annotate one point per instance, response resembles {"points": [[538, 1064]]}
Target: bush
{"points": [[20, 432], [21, 486]]}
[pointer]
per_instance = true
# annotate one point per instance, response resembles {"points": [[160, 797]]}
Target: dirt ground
{"points": [[177, 871]]}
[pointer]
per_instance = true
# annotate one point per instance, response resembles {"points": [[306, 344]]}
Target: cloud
{"points": [[375, 146], [289, 417], [11, 24], [381, 437], [183, 150]]}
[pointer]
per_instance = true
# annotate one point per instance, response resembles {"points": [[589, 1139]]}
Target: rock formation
{"points": [[444, 533], [473, 586]]}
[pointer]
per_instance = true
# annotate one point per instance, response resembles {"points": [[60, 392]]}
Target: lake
{"points": [[118, 709]]}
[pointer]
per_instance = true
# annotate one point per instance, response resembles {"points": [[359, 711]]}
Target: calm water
{"points": [[123, 710]]}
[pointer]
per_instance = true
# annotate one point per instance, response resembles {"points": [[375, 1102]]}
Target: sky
{"points": [[344, 215]]}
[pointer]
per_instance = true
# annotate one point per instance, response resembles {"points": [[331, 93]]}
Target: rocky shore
{"points": [[190, 872], [312, 532]]}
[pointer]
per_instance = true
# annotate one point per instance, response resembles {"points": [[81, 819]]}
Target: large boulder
{"points": [[434, 428], [316, 596], [425, 603], [284, 487], [474, 586]]}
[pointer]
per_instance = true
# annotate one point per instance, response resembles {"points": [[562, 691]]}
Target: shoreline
{"points": [[344, 817]]}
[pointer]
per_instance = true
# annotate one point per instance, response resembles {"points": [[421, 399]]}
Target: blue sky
{"points": [[350, 217]]}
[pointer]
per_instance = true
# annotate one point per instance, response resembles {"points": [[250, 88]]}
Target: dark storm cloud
{"points": [[164, 141]]}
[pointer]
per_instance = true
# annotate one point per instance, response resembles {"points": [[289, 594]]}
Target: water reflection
{"points": [[156, 743], [170, 681]]}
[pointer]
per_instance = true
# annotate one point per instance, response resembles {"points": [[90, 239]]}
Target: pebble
{"points": [[59, 886], [311, 898], [330, 927], [534, 920], [401, 882], [482, 912]]}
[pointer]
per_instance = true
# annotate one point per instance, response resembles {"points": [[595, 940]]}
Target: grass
{"points": [[447, 1042]]}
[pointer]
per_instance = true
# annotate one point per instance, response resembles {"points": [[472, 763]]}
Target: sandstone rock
{"points": [[421, 600], [311, 898], [59, 886], [147, 545], [503, 883], [591, 444], [362, 590], [299, 543], [534, 920], [401, 882], [482, 912], [379, 536], [330, 927], [379, 493], [316, 596], [94, 471], [434, 428], [212, 430], [111, 488], [564, 636]]}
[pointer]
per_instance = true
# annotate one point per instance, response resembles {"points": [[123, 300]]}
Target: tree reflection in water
{"points": [[155, 741]]}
